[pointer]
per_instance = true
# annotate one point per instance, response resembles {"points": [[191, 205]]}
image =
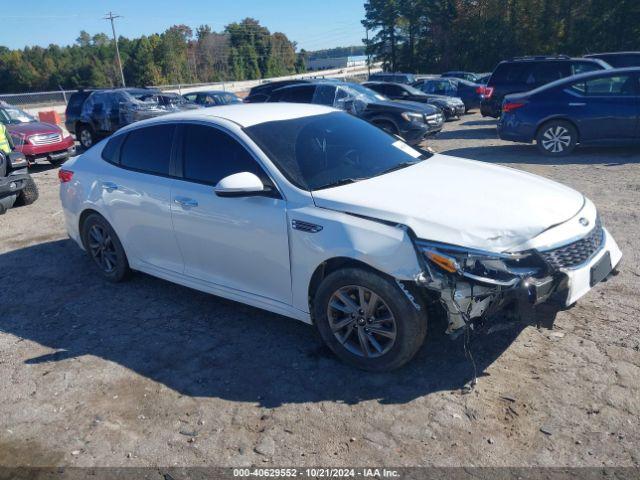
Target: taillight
{"points": [[486, 91], [480, 90], [511, 106], [65, 175]]}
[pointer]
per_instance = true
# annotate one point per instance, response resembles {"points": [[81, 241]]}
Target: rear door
{"points": [[606, 108], [137, 194]]}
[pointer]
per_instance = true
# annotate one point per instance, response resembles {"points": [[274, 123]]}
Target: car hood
{"points": [[461, 202], [33, 128]]}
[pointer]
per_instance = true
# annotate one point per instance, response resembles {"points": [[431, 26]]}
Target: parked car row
{"points": [[557, 101], [412, 121], [95, 114]]}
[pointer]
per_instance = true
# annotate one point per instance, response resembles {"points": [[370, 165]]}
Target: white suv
{"points": [[312, 213]]}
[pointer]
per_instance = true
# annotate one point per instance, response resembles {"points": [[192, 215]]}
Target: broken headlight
{"points": [[499, 269]]}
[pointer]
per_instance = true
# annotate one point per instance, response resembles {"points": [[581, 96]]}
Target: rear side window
{"points": [[620, 85], [510, 73], [76, 101], [148, 149], [209, 155], [584, 67], [298, 94], [547, 72], [111, 150], [325, 95]]}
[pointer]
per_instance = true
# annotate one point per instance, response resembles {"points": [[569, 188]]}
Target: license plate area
{"points": [[601, 269]]}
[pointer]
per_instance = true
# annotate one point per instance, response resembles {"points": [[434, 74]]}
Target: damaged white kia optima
{"points": [[312, 213]]}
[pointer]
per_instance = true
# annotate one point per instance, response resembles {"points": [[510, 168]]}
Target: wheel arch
{"points": [[334, 264], [379, 120]]}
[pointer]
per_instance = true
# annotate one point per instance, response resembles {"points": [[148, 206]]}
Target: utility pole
{"points": [[110, 16]]}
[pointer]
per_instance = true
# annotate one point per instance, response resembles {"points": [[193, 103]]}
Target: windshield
{"points": [[12, 116], [327, 150]]}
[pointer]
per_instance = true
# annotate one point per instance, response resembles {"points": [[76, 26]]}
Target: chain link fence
{"points": [[37, 99], [57, 99]]}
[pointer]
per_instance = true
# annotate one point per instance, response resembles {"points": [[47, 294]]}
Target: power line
{"points": [[110, 16]]}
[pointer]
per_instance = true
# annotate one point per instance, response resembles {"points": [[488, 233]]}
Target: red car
{"points": [[35, 139]]}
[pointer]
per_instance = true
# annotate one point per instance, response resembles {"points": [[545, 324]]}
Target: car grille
{"points": [[45, 139], [578, 252]]}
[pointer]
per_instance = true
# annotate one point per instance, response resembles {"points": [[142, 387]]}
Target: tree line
{"points": [[424, 36], [242, 51]]}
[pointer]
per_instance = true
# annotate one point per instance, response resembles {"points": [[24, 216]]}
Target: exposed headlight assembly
{"points": [[497, 269], [412, 117]]}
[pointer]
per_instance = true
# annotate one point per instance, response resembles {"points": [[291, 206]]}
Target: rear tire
{"points": [[104, 247], [29, 194], [367, 320], [557, 138]]}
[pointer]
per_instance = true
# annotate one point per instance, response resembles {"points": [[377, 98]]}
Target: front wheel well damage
{"points": [[421, 296]]}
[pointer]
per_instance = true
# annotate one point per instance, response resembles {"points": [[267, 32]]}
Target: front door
{"points": [[235, 242]]}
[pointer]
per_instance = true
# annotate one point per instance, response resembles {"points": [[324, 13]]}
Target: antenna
{"points": [[110, 16]]}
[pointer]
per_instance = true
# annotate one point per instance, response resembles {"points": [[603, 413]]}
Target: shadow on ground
{"points": [[486, 133], [201, 345], [528, 154]]}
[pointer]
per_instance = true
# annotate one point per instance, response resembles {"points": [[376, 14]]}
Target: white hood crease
{"points": [[462, 202]]}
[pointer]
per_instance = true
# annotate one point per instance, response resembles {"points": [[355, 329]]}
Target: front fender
{"points": [[382, 246]]}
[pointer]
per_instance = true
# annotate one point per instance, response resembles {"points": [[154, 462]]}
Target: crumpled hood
{"points": [[461, 202]]}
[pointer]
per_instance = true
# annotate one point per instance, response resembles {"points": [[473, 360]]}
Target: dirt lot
{"points": [[149, 373]]}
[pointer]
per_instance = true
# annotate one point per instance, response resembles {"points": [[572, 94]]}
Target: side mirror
{"points": [[405, 93], [243, 184]]}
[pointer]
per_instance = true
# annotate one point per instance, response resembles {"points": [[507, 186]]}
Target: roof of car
{"points": [[589, 55], [246, 114]]}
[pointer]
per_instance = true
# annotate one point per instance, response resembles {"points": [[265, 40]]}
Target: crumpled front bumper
{"points": [[466, 302]]}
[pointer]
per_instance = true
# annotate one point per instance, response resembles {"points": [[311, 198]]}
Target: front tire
{"points": [[557, 138], [104, 247], [29, 194], [367, 320]]}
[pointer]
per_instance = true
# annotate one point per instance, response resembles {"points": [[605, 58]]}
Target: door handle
{"points": [[185, 202], [577, 104], [109, 186]]}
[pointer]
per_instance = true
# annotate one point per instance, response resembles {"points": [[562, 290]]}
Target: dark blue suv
{"points": [[597, 108]]}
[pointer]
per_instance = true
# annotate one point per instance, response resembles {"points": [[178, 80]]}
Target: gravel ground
{"points": [[147, 373]]}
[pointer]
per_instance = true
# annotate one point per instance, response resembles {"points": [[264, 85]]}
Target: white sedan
{"points": [[312, 213]]}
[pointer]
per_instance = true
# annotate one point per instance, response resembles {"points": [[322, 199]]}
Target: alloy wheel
{"points": [[102, 248], [556, 139], [86, 139], [362, 321]]}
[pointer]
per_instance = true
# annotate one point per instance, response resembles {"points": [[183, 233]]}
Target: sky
{"points": [[312, 24]]}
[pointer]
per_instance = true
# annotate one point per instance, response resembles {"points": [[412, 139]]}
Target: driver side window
{"points": [[210, 154]]}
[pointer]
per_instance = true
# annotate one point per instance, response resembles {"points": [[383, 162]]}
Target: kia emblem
{"points": [[584, 222]]}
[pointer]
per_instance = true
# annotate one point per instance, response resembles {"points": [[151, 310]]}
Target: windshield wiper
{"points": [[344, 181], [400, 166]]}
